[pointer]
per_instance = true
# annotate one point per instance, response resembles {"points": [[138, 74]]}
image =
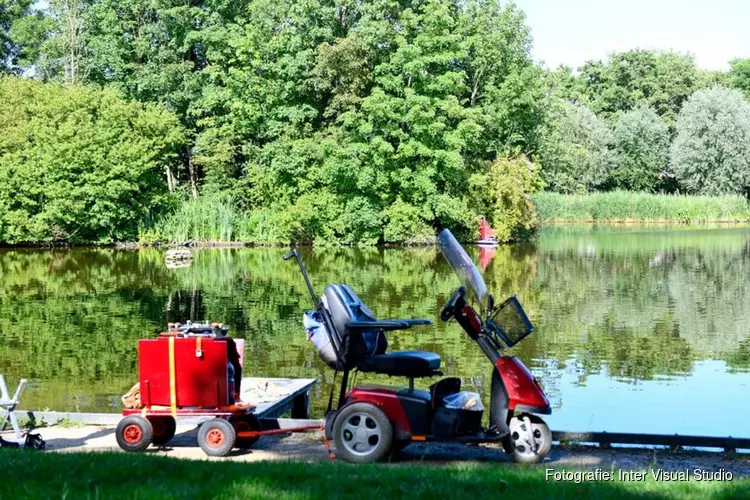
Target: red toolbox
{"points": [[183, 372]]}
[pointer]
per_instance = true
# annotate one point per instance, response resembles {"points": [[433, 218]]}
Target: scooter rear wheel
{"points": [[529, 440], [362, 434]]}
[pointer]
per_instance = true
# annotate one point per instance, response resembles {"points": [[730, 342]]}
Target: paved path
{"points": [[309, 447]]}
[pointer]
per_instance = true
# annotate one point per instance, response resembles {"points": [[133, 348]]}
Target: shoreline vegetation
{"points": [[623, 207], [213, 223]]}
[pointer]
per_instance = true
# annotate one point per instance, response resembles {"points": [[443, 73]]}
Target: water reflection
{"points": [[625, 317]]}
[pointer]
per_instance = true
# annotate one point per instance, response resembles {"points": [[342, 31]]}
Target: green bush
{"points": [[79, 164], [506, 188], [623, 206]]}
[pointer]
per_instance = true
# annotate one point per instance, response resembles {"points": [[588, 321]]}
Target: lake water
{"points": [[638, 330]]}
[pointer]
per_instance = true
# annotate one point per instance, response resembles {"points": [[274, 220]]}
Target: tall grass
{"points": [[624, 206], [213, 219]]}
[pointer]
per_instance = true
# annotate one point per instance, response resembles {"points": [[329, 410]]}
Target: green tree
{"points": [[661, 80], [157, 51], [574, 148], [711, 152], [380, 109], [78, 164], [739, 76], [563, 83], [641, 150], [11, 12], [324, 120]]}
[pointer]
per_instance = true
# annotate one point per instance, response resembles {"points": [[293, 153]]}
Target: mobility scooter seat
{"points": [[353, 320], [403, 363]]}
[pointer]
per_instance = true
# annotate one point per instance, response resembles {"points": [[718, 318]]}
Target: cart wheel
{"points": [[245, 423], [529, 441], [134, 433], [164, 429], [362, 433], [216, 437]]}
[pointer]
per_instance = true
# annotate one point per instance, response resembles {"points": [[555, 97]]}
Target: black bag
{"points": [[32, 442]]}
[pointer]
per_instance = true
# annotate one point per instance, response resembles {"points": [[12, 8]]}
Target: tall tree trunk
{"points": [[475, 87], [193, 177], [170, 179], [70, 17]]}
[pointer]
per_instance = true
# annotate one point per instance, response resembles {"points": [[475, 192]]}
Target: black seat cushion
{"points": [[403, 363]]}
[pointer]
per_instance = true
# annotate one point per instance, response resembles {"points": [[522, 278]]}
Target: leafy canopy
{"points": [[711, 152], [641, 150], [78, 164]]}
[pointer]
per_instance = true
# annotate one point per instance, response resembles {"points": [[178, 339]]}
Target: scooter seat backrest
{"points": [[344, 306]]}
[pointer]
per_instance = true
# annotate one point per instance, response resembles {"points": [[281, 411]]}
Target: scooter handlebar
{"points": [[289, 255]]}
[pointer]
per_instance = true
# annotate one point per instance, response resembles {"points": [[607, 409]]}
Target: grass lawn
{"points": [[118, 475]]}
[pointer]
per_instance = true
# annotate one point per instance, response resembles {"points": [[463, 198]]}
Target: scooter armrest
{"points": [[377, 325], [387, 324], [417, 322]]}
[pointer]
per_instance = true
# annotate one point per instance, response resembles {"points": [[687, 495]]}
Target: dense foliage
{"points": [[711, 152], [355, 121], [575, 149], [505, 189], [13, 13], [78, 164], [641, 150]]}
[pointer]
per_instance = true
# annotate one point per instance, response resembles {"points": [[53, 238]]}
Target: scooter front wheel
{"points": [[530, 439]]}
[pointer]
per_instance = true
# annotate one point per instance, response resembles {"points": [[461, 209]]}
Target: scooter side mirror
{"points": [[490, 304]]}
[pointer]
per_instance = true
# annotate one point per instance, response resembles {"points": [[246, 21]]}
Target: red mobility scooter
{"points": [[371, 422]]}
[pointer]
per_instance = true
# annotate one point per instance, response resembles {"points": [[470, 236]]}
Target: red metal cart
{"points": [[191, 376]]}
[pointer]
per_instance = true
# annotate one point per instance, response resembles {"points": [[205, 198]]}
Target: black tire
{"points": [[245, 423], [164, 429], [372, 438], [134, 433], [542, 437], [216, 437]]}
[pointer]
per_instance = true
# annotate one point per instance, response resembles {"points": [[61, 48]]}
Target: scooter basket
{"points": [[509, 321], [460, 413]]}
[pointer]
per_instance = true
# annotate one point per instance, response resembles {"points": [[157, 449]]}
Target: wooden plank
{"points": [[288, 423], [607, 438], [287, 388]]}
